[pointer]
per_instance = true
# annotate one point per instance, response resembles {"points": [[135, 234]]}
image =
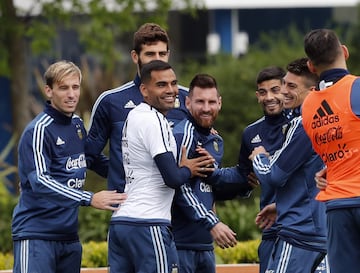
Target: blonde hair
{"points": [[59, 70]]}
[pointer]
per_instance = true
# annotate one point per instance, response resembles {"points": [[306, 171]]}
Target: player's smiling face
{"points": [[64, 95], [269, 96], [161, 91], [293, 90], [204, 105]]}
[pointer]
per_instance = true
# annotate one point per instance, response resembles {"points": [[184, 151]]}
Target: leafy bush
{"points": [[243, 252], [7, 204], [6, 261], [93, 224], [94, 254], [239, 215]]}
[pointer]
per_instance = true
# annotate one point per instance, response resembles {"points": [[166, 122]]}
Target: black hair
{"points": [[156, 65], [300, 68], [270, 73], [322, 46]]}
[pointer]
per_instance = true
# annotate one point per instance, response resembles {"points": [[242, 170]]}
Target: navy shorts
{"points": [[192, 261], [287, 258], [141, 249], [264, 251], [344, 240], [47, 256]]}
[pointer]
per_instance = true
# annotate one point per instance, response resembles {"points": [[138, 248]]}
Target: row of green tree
{"points": [[34, 30]]}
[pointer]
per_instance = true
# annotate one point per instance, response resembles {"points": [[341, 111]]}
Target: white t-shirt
{"points": [[146, 133]]}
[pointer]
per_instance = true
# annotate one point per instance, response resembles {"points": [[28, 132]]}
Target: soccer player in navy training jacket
{"points": [[268, 131], [301, 243], [52, 170], [195, 225], [110, 110]]}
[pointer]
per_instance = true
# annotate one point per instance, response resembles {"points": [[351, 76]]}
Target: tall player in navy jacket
{"points": [[193, 219], [301, 243], [52, 170], [110, 110]]}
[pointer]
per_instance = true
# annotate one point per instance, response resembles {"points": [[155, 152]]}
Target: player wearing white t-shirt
{"points": [[139, 237], [146, 135]]}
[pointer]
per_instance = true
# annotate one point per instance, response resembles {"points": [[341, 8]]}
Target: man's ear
{"points": [[346, 51], [187, 102], [48, 91], [143, 90], [220, 103], [134, 57], [257, 96], [311, 66]]}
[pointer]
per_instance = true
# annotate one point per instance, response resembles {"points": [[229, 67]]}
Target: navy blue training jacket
{"points": [[269, 132], [192, 214], [291, 170], [52, 171]]}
